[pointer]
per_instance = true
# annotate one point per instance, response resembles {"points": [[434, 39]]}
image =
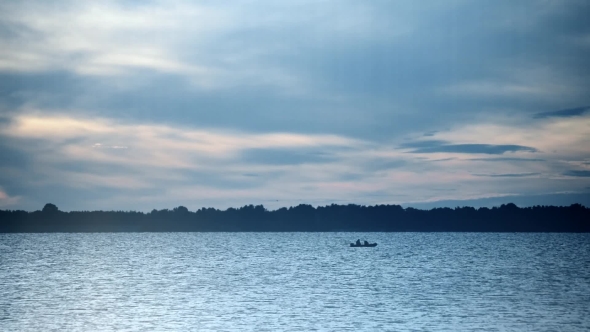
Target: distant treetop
{"points": [[50, 208], [181, 209]]}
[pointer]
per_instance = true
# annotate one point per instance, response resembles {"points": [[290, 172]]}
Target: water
{"points": [[294, 282]]}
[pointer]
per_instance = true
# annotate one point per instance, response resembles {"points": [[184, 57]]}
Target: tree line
{"points": [[304, 218]]}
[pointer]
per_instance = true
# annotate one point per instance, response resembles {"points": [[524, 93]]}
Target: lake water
{"points": [[294, 282]]}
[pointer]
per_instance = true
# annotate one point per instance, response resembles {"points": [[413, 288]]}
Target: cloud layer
{"points": [[136, 105], [158, 164]]}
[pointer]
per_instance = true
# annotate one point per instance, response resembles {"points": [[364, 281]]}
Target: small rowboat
{"points": [[363, 245]]}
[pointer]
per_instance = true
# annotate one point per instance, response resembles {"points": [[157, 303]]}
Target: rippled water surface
{"points": [[294, 282]]}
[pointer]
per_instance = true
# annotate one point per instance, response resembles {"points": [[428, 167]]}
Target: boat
{"points": [[363, 245]]}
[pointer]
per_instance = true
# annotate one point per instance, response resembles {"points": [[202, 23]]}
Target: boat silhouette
{"points": [[355, 245]]}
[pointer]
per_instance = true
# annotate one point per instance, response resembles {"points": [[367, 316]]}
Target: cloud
{"points": [[147, 145], [357, 69], [437, 146], [330, 100], [565, 136], [116, 40], [64, 128], [509, 175], [215, 46], [143, 157], [578, 173], [559, 199], [167, 164], [101, 146], [382, 164], [161, 161], [7, 200], [99, 39], [494, 89], [423, 144], [570, 112], [520, 83], [502, 159], [286, 156]]}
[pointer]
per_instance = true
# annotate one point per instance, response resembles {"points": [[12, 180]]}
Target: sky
{"points": [[136, 105]]}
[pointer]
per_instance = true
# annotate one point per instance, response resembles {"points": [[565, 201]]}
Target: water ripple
{"points": [[294, 282]]}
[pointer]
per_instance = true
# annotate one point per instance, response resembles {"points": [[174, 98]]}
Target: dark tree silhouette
{"points": [[180, 209], [306, 218], [50, 208]]}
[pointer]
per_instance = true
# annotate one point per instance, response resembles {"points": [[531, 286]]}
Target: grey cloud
{"points": [[69, 200], [570, 112], [508, 175], [372, 71], [206, 177], [168, 98], [520, 200], [444, 189], [382, 193], [499, 159], [354, 76], [423, 144], [578, 173], [405, 68], [94, 167], [351, 176], [441, 146], [53, 89], [12, 157], [225, 181], [382, 164], [286, 156], [443, 159]]}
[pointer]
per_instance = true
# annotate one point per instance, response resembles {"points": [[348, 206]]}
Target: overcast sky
{"points": [[137, 105]]}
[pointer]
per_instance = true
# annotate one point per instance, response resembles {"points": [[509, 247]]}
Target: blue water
{"points": [[294, 282]]}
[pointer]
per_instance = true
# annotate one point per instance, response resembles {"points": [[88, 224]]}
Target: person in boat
{"points": [[358, 242], [366, 243]]}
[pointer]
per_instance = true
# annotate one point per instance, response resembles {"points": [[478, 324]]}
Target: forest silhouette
{"points": [[304, 218]]}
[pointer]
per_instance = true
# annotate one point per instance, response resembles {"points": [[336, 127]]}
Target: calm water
{"points": [[294, 282]]}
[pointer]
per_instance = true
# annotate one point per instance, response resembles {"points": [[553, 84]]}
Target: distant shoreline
{"points": [[305, 218]]}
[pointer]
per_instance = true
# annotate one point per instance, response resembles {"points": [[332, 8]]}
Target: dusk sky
{"points": [[129, 105]]}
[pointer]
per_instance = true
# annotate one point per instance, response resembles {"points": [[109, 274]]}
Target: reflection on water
{"points": [[294, 282]]}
